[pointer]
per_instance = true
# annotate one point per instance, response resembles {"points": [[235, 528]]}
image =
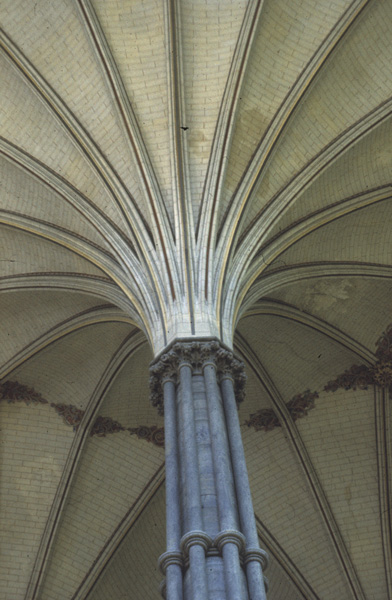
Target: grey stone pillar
{"points": [[255, 558], [171, 561], [229, 540], [194, 541], [212, 544]]}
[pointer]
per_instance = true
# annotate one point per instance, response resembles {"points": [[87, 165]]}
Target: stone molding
{"points": [[162, 588], [258, 555], [193, 538], [170, 558], [230, 536], [197, 354], [212, 548]]}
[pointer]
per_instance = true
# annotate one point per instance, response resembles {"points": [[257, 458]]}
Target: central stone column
{"points": [[212, 543]]}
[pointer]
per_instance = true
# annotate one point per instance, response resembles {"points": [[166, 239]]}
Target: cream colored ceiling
{"points": [[281, 188]]}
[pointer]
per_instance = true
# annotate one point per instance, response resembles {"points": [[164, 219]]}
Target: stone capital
{"points": [[196, 354]]}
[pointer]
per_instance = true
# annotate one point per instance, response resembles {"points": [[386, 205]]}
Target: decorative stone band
{"points": [[257, 555], [193, 538], [230, 536], [211, 548], [362, 376], [170, 558], [260, 556], [13, 391], [196, 354], [201, 538], [266, 419]]}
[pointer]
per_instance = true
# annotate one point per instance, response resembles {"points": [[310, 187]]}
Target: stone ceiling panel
{"points": [[361, 237], [287, 36], [127, 401], [68, 370], [280, 586], [135, 33], [208, 36], [58, 47], [345, 302], [32, 126], [25, 195], [256, 396], [281, 499], [351, 485], [22, 252], [34, 446], [347, 88], [363, 167], [295, 356], [42, 310], [131, 568], [98, 501]]}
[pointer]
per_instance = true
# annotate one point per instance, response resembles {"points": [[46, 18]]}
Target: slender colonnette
{"points": [[212, 544]]}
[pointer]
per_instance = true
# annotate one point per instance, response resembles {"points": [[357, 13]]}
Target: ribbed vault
{"points": [[193, 168]]}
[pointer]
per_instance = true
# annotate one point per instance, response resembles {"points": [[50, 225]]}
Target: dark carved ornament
{"points": [[356, 377], [301, 404], [384, 346], [266, 419], [196, 354], [70, 414], [13, 391], [153, 434], [104, 425], [361, 376]]}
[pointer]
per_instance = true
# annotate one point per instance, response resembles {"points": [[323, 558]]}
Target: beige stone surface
{"points": [[352, 484], [98, 500], [68, 370], [34, 447], [287, 163], [281, 498], [280, 32]]}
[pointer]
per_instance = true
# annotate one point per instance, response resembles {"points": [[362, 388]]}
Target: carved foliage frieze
{"points": [[356, 377], [13, 391], [362, 376], [266, 419]]}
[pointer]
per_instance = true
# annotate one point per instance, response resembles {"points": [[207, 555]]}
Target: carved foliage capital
{"points": [[196, 354]]}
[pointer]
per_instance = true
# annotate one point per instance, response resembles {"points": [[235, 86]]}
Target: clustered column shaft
{"points": [[212, 543], [254, 557], [173, 523]]}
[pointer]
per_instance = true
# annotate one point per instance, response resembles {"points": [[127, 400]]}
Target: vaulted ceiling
{"points": [[238, 149]]}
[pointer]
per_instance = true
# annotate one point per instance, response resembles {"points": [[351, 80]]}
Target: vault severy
{"points": [[272, 206]]}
